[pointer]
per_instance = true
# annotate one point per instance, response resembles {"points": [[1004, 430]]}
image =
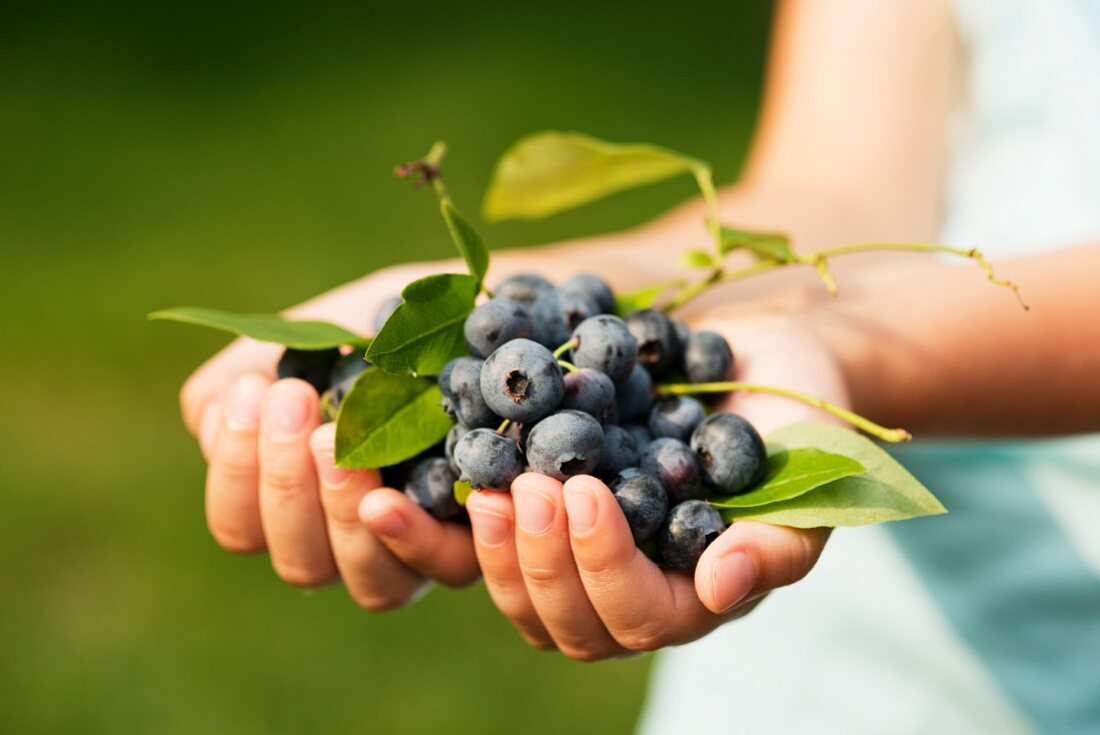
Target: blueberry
{"points": [[731, 453], [604, 343], [676, 417], [592, 392], [683, 331], [619, 451], [494, 323], [348, 368], [521, 381], [487, 460], [431, 486], [457, 431], [690, 528], [523, 288], [460, 384], [675, 466], [555, 314], [312, 366], [593, 288], [707, 358], [641, 435], [643, 500], [388, 307], [634, 395], [658, 345], [565, 444]]}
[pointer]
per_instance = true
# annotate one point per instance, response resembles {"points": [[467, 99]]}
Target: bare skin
{"points": [[857, 91]]}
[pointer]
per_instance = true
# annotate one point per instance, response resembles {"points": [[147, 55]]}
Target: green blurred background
{"points": [[238, 155]]}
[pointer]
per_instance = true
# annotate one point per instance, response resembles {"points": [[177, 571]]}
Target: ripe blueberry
{"points": [[690, 528], [431, 486], [593, 288], [487, 460], [707, 358], [604, 343], [555, 314], [565, 444], [523, 288], [731, 453], [676, 417], [619, 451], [457, 432], [460, 384], [521, 381], [348, 368], [592, 392], [312, 366], [635, 395], [675, 466], [643, 500], [658, 345], [494, 323], [641, 435]]}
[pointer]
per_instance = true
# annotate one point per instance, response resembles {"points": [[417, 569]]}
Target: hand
{"points": [[272, 483], [559, 560]]}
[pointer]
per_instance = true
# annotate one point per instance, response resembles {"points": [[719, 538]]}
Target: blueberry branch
{"points": [[870, 427], [571, 344], [568, 367]]}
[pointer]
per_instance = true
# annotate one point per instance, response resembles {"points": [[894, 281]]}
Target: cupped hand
{"points": [[560, 562]]}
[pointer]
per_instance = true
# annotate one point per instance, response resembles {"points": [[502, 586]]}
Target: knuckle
{"points": [[235, 540], [540, 577], [379, 602], [585, 653], [303, 575], [282, 483], [538, 642], [643, 638]]}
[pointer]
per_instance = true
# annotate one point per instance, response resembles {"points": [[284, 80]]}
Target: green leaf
{"points": [[884, 491], [791, 473], [552, 171], [463, 490], [301, 335], [643, 298], [696, 259], [764, 245], [469, 243], [425, 331], [386, 419]]}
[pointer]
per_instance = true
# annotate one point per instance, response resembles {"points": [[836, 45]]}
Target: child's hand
{"points": [[560, 562], [271, 482]]}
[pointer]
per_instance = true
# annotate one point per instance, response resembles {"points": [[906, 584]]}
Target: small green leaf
{"points": [[386, 419], [469, 243], [643, 298], [792, 473], [764, 245], [552, 171], [463, 490], [884, 491], [696, 259], [425, 331], [301, 335]]}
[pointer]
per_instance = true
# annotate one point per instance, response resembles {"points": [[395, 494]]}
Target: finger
{"points": [[374, 577], [232, 480], [492, 516], [550, 574], [209, 381], [751, 559], [208, 428], [439, 550], [293, 520], [642, 607]]}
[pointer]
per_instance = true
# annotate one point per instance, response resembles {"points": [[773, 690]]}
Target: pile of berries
{"points": [[555, 383]]}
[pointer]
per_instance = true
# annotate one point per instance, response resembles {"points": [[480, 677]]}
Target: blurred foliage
{"points": [[239, 155]]}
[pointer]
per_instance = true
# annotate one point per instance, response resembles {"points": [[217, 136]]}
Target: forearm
{"points": [[932, 346]]}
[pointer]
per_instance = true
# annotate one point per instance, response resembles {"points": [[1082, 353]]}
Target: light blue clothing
{"points": [[986, 620]]}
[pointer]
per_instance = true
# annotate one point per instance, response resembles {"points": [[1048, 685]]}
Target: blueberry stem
{"points": [[568, 366], [504, 426], [866, 425], [565, 348]]}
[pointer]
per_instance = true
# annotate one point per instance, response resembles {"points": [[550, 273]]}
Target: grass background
{"points": [[238, 155]]}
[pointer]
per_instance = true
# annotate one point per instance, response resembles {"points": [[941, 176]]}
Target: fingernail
{"points": [[242, 408], [534, 511], [208, 427], [492, 529], [332, 477], [388, 523], [580, 506], [732, 579], [286, 412]]}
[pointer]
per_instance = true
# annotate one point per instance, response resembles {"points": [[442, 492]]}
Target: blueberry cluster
{"points": [[555, 383]]}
